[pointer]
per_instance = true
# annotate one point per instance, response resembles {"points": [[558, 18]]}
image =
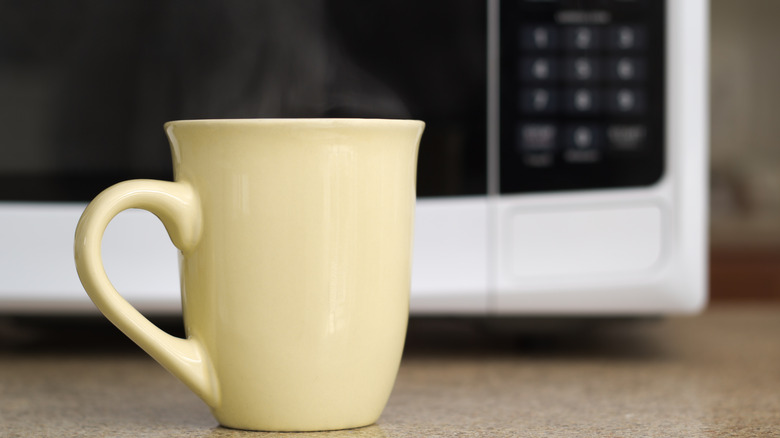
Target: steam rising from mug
{"points": [[271, 59]]}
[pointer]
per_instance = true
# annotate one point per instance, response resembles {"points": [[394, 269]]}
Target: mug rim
{"points": [[295, 121]]}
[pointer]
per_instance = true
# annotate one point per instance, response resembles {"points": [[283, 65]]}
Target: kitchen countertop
{"points": [[717, 374]]}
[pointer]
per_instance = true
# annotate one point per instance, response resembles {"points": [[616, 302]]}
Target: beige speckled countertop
{"points": [[713, 375]]}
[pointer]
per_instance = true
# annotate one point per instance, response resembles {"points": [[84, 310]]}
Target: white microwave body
{"points": [[626, 245]]}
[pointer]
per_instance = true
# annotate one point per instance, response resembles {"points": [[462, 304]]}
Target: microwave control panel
{"points": [[582, 94]]}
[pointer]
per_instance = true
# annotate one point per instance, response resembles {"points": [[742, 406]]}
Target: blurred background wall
{"points": [[745, 149]]}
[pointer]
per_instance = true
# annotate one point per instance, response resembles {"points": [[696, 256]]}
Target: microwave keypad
{"points": [[582, 94]]}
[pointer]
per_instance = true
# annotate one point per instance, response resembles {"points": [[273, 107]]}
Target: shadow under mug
{"points": [[295, 241]]}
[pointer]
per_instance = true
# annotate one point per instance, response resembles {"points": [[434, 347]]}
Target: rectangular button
{"points": [[626, 137], [598, 239], [537, 137]]}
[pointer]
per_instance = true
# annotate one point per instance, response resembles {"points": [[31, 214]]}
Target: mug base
{"points": [[295, 423], [295, 429]]}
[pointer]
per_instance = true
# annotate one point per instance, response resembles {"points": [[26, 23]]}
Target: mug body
{"points": [[298, 287]]}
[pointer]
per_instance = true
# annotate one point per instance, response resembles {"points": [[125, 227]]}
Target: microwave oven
{"points": [[563, 170]]}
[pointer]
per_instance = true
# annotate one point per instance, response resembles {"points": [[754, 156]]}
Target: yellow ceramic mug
{"points": [[295, 240]]}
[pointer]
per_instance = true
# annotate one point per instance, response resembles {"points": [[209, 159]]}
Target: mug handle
{"points": [[178, 207]]}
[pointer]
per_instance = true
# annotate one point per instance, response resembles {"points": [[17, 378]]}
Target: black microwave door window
{"points": [[85, 87]]}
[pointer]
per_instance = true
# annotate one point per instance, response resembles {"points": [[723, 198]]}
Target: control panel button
{"points": [[582, 101], [626, 137], [539, 100], [626, 101], [541, 68], [539, 37], [537, 137], [582, 38], [626, 69], [627, 37], [581, 137], [581, 68], [583, 143]]}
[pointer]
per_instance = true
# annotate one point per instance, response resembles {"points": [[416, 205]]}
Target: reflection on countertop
{"points": [[716, 374]]}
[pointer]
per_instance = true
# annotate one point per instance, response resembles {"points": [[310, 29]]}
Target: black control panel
{"points": [[582, 94]]}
